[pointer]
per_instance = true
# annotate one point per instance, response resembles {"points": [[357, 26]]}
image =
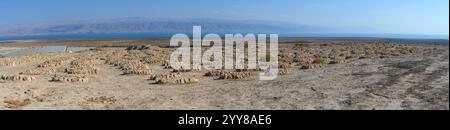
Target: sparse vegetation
{"points": [[319, 61], [268, 58]]}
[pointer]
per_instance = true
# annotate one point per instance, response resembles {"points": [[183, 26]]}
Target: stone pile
{"points": [[70, 78], [182, 80], [17, 77], [235, 75]]}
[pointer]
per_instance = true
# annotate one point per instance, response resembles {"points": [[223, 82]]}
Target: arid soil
{"points": [[343, 75]]}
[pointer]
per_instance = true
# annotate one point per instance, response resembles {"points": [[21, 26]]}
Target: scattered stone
{"points": [[103, 99], [282, 71], [311, 66], [137, 72], [17, 77], [235, 75], [70, 78], [182, 80], [82, 71], [16, 103], [167, 76]]}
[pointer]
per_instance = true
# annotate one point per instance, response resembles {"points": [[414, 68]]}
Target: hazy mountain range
{"points": [[156, 25]]}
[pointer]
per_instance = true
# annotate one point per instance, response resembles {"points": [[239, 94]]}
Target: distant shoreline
{"points": [[168, 35], [164, 41]]}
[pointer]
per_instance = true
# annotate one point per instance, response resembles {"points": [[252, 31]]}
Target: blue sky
{"points": [[363, 16]]}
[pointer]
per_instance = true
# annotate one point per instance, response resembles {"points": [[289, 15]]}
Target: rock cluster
{"points": [[82, 71], [83, 66], [235, 75], [182, 80], [137, 71], [54, 62], [309, 56], [13, 61], [17, 77], [167, 76], [41, 71], [103, 99], [172, 78], [214, 73], [129, 62], [82, 62], [70, 78], [16, 103]]}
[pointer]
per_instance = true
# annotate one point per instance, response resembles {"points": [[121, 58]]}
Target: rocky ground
{"points": [[344, 75]]}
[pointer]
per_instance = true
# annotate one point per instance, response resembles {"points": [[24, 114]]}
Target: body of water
{"points": [[157, 35], [88, 36], [48, 49]]}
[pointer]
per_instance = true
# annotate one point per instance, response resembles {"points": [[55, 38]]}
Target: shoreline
{"points": [[162, 42]]}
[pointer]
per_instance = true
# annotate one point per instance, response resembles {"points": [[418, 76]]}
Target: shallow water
{"points": [[48, 49]]}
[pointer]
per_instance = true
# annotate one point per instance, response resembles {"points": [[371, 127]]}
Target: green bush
{"points": [[319, 61], [268, 57]]}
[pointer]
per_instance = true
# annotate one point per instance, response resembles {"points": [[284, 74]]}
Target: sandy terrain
{"points": [[363, 75]]}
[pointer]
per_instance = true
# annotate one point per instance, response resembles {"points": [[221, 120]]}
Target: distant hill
{"points": [[157, 25]]}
